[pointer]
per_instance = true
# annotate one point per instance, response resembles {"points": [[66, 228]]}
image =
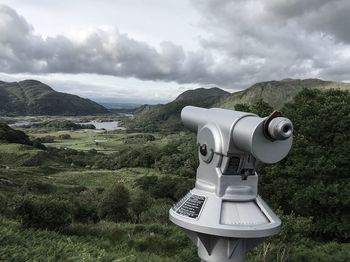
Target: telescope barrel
{"points": [[192, 117], [267, 139]]}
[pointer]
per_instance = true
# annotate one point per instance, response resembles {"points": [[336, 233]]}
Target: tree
{"points": [[315, 177], [86, 206], [114, 204], [242, 107], [10, 135], [3, 204], [140, 202], [44, 212], [261, 108]]}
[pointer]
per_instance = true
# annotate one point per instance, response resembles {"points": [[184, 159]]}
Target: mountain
{"points": [[202, 93], [277, 93], [167, 117], [31, 97]]}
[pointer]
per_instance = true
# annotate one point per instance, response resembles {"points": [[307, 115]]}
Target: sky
{"points": [[151, 51]]}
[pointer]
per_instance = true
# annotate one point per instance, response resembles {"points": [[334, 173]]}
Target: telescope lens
{"points": [[203, 149], [280, 128], [285, 129]]}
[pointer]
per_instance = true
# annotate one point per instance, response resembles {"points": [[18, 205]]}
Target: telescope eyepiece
{"points": [[280, 128], [203, 150]]}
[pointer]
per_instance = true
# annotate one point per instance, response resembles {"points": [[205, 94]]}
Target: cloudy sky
{"points": [[150, 51]]}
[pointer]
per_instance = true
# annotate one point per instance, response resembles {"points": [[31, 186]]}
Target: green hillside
{"points": [[277, 93], [31, 97], [95, 196], [167, 117], [202, 93]]}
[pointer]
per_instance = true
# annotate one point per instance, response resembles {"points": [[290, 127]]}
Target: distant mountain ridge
{"points": [[201, 93], [167, 116], [277, 93], [32, 97]]}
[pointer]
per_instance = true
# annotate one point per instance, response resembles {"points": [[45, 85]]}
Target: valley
{"points": [[106, 192]]}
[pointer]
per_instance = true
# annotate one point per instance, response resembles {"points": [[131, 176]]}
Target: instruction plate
{"points": [[190, 206]]}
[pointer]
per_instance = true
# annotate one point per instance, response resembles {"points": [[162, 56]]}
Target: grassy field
{"points": [[149, 172], [86, 139], [104, 241], [101, 178]]}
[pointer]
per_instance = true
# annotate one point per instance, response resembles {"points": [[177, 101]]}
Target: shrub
{"points": [[3, 204], [38, 187], [10, 135], [63, 125], [46, 139], [43, 212], [114, 204], [37, 143], [158, 212], [64, 136], [313, 181], [85, 213], [140, 202], [86, 207], [165, 187]]}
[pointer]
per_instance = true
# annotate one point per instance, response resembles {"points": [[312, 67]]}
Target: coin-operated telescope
{"points": [[223, 215]]}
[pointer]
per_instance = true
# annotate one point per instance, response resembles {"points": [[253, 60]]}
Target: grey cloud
{"points": [[102, 52], [249, 41], [324, 16], [275, 39]]}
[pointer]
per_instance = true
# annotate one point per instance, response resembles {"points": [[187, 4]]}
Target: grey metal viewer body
{"points": [[223, 215]]}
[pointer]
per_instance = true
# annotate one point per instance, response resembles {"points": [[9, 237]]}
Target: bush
{"points": [[165, 187], [46, 139], [64, 136], [38, 187], [63, 125], [140, 139], [313, 181], [140, 202], [158, 212], [44, 212], [86, 208], [3, 204], [321, 252], [85, 213], [114, 204], [10, 135]]}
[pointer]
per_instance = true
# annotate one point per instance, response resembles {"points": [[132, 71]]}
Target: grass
{"points": [[66, 180], [85, 140], [14, 155], [100, 178], [101, 242]]}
